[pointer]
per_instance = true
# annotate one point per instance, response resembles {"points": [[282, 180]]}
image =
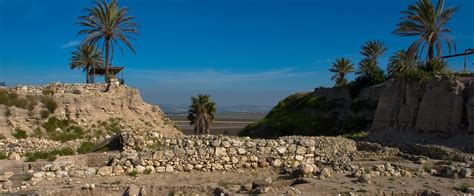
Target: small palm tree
{"points": [[371, 51], [106, 24], [86, 57], [201, 113], [341, 68], [400, 63], [428, 22]]}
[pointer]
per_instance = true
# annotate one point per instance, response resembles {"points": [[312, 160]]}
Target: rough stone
{"points": [[365, 178], [466, 172], [104, 171]]}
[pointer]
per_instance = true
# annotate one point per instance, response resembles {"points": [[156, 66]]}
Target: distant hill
{"points": [[181, 109]]}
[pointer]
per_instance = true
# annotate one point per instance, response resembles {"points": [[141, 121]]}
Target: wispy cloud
{"points": [[213, 76], [70, 43]]}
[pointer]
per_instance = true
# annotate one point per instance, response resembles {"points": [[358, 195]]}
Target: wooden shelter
{"points": [[469, 51], [116, 72]]}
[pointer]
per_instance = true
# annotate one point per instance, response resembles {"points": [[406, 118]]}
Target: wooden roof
{"points": [[101, 70]]}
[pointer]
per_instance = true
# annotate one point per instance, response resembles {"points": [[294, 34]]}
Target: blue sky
{"points": [[239, 51]]}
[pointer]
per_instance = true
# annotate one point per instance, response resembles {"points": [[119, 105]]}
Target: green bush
{"points": [[361, 82], [70, 133], [48, 91], [38, 133], [157, 145], [54, 123], [69, 130], [10, 98], [356, 135], [147, 171], [86, 147], [3, 155], [44, 114], [20, 134], [48, 155], [49, 104], [133, 173], [8, 112]]}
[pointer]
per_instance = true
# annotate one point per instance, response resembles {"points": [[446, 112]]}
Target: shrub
{"points": [[157, 145], [20, 134], [38, 133], [147, 171], [463, 188], [50, 104], [418, 75], [3, 155], [86, 147], [48, 155], [69, 131], [10, 98], [133, 173], [357, 135], [8, 112], [112, 125], [44, 114], [435, 66], [32, 102], [2, 137], [47, 91], [361, 82], [54, 123]]}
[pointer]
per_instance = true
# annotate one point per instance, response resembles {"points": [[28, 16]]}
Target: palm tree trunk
{"points": [[107, 47], [430, 51], [87, 75]]}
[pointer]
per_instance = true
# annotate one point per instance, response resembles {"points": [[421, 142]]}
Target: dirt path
{"points": [[205, 183]]}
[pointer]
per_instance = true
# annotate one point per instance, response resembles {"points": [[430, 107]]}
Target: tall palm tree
{"points": [[400, 63], [341, 68], [428, 22], [86, 57], [105, 25], [201, 113]]}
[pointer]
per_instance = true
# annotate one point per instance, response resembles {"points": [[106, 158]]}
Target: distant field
{"points": [[224, 124]]}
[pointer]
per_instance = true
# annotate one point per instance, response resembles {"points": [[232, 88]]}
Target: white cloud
{"points": [[212, 76], [70, 43]]}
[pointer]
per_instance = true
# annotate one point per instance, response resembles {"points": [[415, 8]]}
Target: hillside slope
{"points": [[326, 111], [33, 108]]}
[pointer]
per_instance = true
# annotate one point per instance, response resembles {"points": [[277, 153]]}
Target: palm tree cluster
{"points": [[201, 113], [105, 26], [425, 20]]}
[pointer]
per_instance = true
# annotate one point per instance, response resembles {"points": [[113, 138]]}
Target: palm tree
{"points": [[201, 113], [106, 24], [428, 23], [400, 63], [86, 57], [341, 68], [371, 51]]}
